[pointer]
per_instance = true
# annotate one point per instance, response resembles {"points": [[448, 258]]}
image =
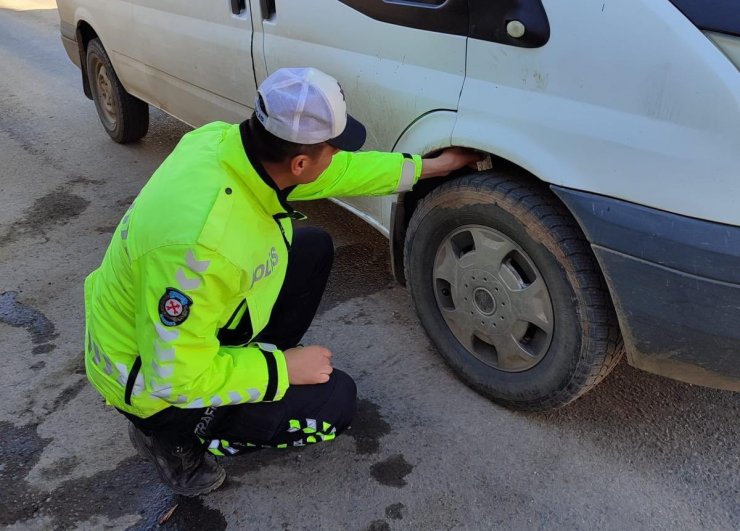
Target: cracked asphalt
{"points": [[425, 452]]}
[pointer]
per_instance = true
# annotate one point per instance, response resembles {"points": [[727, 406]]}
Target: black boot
{"points": [[189, 471]]}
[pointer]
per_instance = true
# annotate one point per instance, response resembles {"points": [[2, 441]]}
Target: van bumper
{"points": [[69, 41], [675, 283], [73, 52]]}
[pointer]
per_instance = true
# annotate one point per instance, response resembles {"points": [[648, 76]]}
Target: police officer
{"points": [[194, 318]]}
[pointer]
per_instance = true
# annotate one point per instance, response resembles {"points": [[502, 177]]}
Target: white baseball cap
{"points": [[307, 106]]}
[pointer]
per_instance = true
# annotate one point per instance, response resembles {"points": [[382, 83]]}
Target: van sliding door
{"points": [[395, 61], [197, 56]]}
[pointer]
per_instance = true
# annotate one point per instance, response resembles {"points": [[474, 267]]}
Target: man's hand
{"points": [[449, 160], [308, 365]]}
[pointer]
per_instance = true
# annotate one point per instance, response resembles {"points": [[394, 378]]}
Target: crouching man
{"points": [[194, 318]]}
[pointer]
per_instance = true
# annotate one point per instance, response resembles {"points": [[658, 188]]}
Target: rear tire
{"points": [[124, 117], [509, 291]]}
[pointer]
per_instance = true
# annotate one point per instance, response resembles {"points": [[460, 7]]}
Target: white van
{"points": [[610, 220]]}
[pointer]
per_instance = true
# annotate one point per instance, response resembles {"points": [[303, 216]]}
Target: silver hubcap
{"points": [[104, 91], [493, 298]]}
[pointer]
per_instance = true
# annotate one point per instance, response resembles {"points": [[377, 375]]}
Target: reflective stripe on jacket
{"points": [[204, 244]]}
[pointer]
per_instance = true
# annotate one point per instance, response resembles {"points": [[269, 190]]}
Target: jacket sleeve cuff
{"points": [[282, 375], [277, 372], [410, 172]]}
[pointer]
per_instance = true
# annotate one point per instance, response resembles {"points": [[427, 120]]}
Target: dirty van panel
{"points": [[197, 56], [675, 324], [644, 112], [675, 284], [391, 77]]}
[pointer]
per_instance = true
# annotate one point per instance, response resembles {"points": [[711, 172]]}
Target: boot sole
{"points": [[144, 451]]}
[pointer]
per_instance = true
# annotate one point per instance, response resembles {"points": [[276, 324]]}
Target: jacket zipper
{"points": [[277, 218], [233, 315], [131, 380]]}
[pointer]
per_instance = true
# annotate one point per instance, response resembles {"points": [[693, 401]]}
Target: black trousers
{"points": [[307, 413]]}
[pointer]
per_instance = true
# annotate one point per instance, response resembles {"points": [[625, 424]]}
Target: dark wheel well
{"points": [[85, 33]]}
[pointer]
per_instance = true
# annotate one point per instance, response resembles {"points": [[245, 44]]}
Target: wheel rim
{"points": [[104, 91], [493, 298]]}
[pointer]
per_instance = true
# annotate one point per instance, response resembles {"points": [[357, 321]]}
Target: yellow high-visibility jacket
{"points": [[206, 239]]}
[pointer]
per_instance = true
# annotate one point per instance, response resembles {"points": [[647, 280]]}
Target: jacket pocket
{"points": [[131, 380], [240, 334]]}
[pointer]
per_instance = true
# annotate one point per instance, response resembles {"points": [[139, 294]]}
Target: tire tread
{"points": [[602, 348], [134, 112]]}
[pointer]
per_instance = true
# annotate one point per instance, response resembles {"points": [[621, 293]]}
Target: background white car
{"points": [[614, 131]]}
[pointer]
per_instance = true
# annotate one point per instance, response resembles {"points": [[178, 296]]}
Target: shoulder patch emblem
{"points": [[174, 307]]}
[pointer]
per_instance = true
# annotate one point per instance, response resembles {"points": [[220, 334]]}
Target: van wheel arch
{"points": [[85, 33]]}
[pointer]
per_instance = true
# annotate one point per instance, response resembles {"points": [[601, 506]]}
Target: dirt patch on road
{"points": [[17, 314], [395, 511], [368, 428], [392, 471], [55, 208], [20, 450]]}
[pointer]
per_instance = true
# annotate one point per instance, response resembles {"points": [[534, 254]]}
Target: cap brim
{"points": [[352, 138]]}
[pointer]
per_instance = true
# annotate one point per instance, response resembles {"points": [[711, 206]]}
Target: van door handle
{"points": [[268, 9], [237, 6]]}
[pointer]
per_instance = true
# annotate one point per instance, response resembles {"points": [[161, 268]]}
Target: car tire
{"points": [[124, 117], [509, 291]]}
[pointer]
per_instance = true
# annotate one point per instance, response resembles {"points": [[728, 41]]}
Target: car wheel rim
{"points": [[104, 91], [493, 298]]}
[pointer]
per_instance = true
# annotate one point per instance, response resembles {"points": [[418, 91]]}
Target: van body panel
{"points": [[69, 41], [675, 324], [675, 283], [109, 24], [73, 52], [190, 103], [667, 124], [696, 247], [195, 51], [428, 133]]}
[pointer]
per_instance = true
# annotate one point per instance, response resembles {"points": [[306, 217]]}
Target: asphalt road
{"points": [[425, 452]]}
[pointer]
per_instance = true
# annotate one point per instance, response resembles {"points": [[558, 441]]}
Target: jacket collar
{"points": [[237, 153], [280, 195]]}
